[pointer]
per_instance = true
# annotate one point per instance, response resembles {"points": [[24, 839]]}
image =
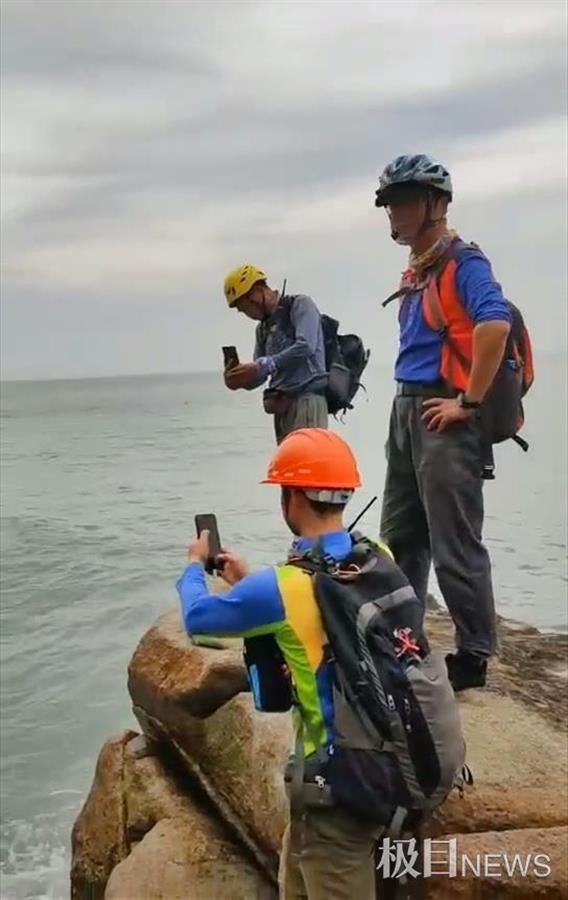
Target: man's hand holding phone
{"points": [[207, 550], [244, 375], [234, 568], [230, 566], [198, 550]]}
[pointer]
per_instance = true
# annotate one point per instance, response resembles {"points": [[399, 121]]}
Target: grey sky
{"points": [[148, 146]]}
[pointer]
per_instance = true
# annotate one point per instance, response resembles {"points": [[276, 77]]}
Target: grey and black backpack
{"points": [[345, 359], [398, 748]]}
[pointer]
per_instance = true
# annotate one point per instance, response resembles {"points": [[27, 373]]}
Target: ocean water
{"points": [[100, 483]]}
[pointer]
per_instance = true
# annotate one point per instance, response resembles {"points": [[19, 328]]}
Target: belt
{"points": [[415, 389]]}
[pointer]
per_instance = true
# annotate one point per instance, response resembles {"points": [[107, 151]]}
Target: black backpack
{"points": [[345, 361], [398, 748]]}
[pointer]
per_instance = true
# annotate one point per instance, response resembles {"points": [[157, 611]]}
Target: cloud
{"points": [[145, 152]]}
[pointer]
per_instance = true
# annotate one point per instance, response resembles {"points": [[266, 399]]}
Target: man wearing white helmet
{"points": [[454, 323]]}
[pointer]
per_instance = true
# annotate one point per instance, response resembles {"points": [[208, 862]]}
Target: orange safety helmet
{"points": [[315, 458]]}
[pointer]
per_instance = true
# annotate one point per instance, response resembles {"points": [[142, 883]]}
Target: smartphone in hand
{"points": [[208, 522], [230, 357]]}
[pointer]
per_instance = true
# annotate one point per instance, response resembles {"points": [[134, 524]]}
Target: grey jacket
{"points": [[290, 347]]}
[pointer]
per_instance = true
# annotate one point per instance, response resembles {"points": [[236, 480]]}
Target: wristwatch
{"points": [[467, 404]]}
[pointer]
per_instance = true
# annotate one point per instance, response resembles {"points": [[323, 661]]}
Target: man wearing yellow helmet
{"points": [[289, 352]]}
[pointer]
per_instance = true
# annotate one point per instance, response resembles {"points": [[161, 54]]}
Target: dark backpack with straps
{"points": [[345, 360], [398, 748], [502, 412]]}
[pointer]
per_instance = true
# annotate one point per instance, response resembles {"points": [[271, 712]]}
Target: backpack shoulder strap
{"points": [[281, 315], [360, 560], [284, 310], [457, 251], [460, 249], [432, 301]]}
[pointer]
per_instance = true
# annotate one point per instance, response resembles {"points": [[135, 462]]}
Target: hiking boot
{"points": [[466, 670]]}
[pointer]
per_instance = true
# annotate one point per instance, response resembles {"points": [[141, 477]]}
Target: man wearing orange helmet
{"points": [[329, 853], [289, 352]]}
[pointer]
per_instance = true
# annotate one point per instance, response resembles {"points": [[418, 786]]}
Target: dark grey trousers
{"points": [[433, 512], [306, 411]]}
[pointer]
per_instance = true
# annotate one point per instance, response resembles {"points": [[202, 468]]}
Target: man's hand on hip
{"points": [[442, 412]]}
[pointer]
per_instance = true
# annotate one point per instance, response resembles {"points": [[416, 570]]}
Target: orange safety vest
{"points": [[446, 314]]}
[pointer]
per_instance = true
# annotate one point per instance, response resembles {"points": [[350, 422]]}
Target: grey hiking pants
{"points": [[305, 411], [433, 512]]}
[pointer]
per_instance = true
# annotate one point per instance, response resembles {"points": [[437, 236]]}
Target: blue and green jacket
{"points": [[278, 601]]}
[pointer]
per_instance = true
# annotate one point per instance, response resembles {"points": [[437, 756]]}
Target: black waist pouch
{"points": [[268, 674], [276, 403]]}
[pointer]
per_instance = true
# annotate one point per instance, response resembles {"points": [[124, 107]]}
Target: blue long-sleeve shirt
{"points": [[252, 603], [420, 348], [289, 347], [278, 601]]}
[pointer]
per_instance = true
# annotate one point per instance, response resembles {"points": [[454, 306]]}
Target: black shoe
{"points": [[466, 670]]}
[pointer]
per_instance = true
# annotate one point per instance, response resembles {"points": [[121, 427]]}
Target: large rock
{"points": [[98, 838], [490, 807], [527, 864], [133, 794], [237, 754], [178, 823], [187, 859], [515, 734], [516, 784], [516, 739], [153, 790], [530, 666], [168, 670]]}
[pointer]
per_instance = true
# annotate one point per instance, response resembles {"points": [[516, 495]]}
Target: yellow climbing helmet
{"points": [[240, 281]]}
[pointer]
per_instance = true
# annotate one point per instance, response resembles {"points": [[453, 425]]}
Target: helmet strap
{"points": [[428, 222]]}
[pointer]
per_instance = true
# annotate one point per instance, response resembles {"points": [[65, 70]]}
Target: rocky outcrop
{"points": [[238, 754], [518, 864], [530, 667], [169, 671], [146, 831], [186, 697], [99, 840], [183, 858], [493, 807], [202, 802], [516, 785]]}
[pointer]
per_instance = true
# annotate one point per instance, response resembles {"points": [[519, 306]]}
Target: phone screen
{"points": [[230, 357], [208, 522]]}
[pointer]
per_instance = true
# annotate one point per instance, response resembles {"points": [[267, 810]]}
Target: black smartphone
{"points": [[208, 522], [230, 357]]}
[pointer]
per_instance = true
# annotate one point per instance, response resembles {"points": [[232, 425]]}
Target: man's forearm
{"points": [[288, 358], [489, 340]]}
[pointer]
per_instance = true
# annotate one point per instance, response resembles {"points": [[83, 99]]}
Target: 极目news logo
{"points": [[401, 859]]}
